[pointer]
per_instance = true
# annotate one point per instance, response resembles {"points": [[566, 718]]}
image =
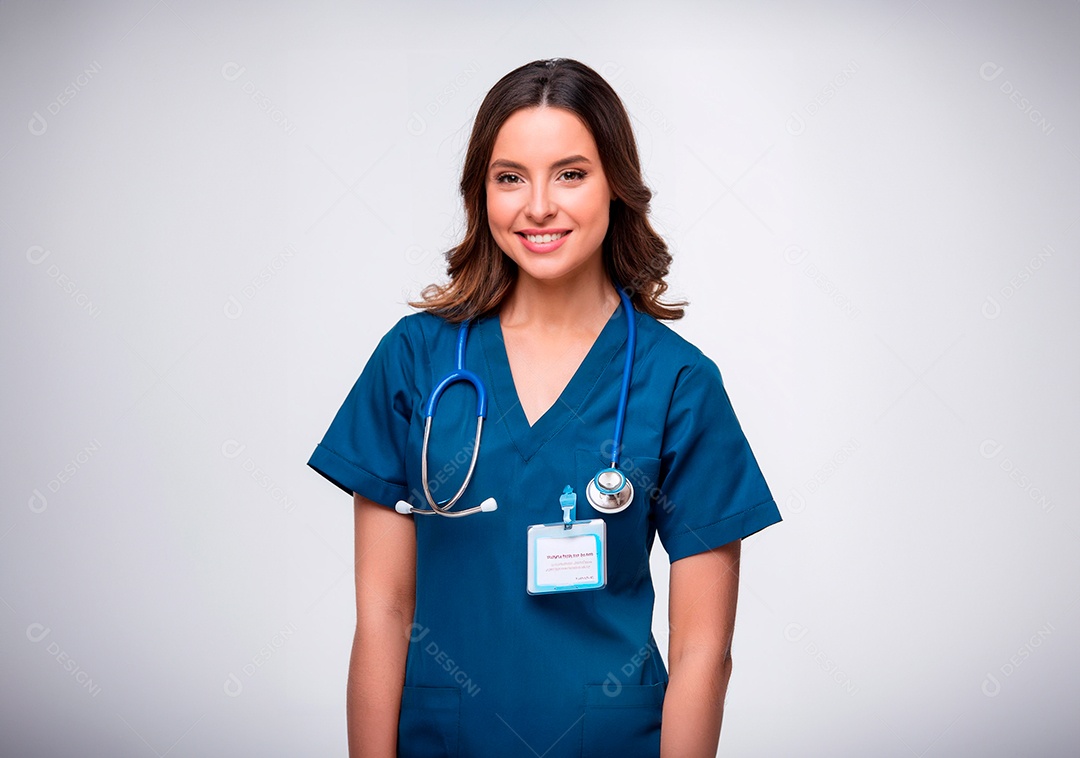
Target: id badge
{"points": [[567, 556]]}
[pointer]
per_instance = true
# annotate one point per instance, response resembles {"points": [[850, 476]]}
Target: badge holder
{"points": [[567, 556]]}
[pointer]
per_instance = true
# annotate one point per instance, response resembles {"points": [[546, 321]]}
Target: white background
{"points": [[210, 212]]}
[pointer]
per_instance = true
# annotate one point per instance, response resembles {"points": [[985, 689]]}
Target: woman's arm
{"points": [[701, 612], [385, 600]]}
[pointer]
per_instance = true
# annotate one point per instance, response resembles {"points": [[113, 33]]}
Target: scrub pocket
{"points": [[429, 721], [626, 724]]}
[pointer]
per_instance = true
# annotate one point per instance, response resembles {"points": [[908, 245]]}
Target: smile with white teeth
{"points": [[539, 239]]}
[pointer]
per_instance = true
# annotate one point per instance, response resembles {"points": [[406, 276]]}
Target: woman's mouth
{"points": [[536, 241]]}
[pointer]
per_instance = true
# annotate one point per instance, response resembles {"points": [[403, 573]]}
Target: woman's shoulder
{"points": [[413, 335], [660, 342], [420, 325]]}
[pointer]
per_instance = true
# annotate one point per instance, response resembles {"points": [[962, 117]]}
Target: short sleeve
{"points": [[363, 451], [711, 488]]}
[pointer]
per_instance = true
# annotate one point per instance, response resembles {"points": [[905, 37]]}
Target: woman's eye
{"points": [[507, 179], [572, 175]]}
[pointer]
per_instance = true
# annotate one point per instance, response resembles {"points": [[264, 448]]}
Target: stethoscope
{"points": [[609, 491]]}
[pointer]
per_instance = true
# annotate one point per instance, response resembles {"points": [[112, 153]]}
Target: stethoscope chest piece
{"points": [[610, 491]]}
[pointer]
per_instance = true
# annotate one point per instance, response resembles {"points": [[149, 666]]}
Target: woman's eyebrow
{"points": [[504, 163]]}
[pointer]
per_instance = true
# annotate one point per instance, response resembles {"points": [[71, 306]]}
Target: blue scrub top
{"points": [[492, 670]]}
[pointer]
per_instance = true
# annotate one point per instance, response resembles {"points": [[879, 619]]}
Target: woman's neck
{"points": [[559, 305]]}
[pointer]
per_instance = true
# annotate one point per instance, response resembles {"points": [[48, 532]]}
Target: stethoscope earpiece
{"points": [[610, 491]]}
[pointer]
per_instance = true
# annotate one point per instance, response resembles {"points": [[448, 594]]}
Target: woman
{"points": [[469, 641]]}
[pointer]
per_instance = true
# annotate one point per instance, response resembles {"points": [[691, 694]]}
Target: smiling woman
{"points": [[527, 629], [546, 100]]}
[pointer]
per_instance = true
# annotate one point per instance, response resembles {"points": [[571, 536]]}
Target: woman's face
{"points": [[547, 195]]}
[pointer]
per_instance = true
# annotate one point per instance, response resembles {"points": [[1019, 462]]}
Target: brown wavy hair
{"points": [[635, 256]]}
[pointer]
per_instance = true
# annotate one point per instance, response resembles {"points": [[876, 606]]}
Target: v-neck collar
{"points": [[505, 407]]}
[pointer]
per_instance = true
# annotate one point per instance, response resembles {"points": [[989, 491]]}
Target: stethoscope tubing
{"points": [[444, 508], [628, 370], [462, 374], [459, 374]]}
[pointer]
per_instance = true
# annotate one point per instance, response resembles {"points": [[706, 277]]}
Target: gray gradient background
{"points": [[872, 208]]}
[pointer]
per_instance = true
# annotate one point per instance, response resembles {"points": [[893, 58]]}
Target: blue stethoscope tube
{"points": [[609, 491], [459, 374], [627, 374]]}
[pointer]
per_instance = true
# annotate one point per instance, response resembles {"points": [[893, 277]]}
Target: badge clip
{"points": [[568, 503]]}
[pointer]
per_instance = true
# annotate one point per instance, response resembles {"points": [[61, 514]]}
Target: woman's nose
{"points": [[540, 204]]}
